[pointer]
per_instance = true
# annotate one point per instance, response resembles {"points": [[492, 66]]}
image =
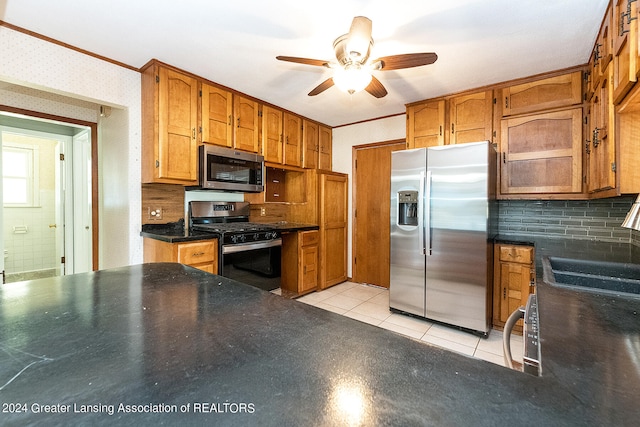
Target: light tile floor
{"points": [[370, 304]]}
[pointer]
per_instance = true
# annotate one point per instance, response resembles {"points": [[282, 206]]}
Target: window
{"points": [[19, 169]]}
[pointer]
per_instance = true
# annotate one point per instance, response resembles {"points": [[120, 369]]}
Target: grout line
{"points": [[350, 311]]}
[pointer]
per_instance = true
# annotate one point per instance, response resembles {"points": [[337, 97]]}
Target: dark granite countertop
{"points": [[169, 337], [176, 233]]}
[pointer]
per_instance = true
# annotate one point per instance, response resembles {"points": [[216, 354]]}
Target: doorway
{"points": [[371, 207], [47, 198]]}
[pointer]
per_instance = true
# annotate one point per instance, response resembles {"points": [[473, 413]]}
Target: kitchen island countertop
{"points": [[176, 345]]}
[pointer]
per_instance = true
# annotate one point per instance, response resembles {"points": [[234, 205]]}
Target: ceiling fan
{"points": [[353, 68]]}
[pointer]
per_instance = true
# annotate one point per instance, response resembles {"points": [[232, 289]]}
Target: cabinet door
{"points": [[625, 45], [600, 146], [544, 94], [177, 122], [515, 280], [471, 117], [292, 140], [310, 144], [333, 223], [324, 156], [542, 153], [217, 115], [246, 124], [308, 261], [425, 124], [602, 53], [272, 134]]}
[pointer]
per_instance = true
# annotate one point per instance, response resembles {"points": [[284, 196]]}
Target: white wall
{"points": [[345, 138], [71, 84]]}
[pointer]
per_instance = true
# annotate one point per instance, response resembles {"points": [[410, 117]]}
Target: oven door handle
{"points": [[241, 247]]}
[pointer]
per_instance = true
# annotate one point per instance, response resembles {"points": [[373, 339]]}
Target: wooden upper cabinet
{"points": [[170, 119], [471, 117], [310, 144], [541, 153], [625, 47], [246, 117], [326, 146], [544, 94], [602, 54], [425, 124], [600, 144], [217, 115], [292, 140], [272, 134]]}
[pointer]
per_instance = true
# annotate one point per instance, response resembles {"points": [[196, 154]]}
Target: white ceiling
{"points": [[234, 43]]}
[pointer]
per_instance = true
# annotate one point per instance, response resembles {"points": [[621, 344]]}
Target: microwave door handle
{"points": [[506, 335]]}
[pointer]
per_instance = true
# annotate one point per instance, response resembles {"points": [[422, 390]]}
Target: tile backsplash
{"points": [[575, 219]]}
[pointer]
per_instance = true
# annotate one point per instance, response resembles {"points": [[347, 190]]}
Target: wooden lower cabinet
{"points": [[201, 254], [514, 274], [300, 262]]}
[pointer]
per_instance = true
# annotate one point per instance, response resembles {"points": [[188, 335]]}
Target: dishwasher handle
{"points": [[506, 337]]}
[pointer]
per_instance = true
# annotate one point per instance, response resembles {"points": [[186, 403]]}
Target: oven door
{"points": [[256, 264], [226, 169]]}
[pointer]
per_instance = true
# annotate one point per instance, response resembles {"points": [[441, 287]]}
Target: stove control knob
{"points": [[256, 236]]}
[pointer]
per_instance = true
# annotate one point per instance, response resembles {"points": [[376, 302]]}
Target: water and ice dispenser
{"points": [[407, 208]]}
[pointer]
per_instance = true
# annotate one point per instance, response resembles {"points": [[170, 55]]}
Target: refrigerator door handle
{"points": [[420, 207], [427, 215]]}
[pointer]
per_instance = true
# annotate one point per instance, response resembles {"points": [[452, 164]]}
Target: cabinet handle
{"points": [[197, 254], [440, 130], [452, 127], [504, 293], [506, 102], [229, 119], [504, 157], [238, 121], [193, 133]]}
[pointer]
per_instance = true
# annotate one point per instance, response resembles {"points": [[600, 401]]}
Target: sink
{"points": [[600, 276]]}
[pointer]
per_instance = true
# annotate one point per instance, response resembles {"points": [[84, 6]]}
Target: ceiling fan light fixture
{"points": [[352, 78]]}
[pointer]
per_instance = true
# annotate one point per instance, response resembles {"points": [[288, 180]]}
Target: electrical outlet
{"points": [[263, 211], [154, 214]]}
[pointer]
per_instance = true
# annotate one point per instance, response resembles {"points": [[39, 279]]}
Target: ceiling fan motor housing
{"points": [[342, 47]]}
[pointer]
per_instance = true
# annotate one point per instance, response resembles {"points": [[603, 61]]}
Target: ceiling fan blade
{"points": [[407, 60], [359, 41], [322, 87], [375, 88], [306, 61]]}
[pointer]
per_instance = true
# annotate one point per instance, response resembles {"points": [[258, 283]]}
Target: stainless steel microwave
{"points": [[226, 169]]}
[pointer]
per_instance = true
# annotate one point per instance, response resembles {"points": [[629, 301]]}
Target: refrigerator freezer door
{"points": [[407, 259], [458, 265]]}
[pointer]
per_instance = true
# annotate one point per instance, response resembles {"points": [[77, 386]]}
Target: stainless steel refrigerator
{"points": [[443, 222]]}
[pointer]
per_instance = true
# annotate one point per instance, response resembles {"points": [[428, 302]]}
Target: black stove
{"points": [[239, 232], [230, 220], [248, 252]]}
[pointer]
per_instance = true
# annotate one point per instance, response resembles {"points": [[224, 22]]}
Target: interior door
{"points": [[82, 206], [371, 204]]}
